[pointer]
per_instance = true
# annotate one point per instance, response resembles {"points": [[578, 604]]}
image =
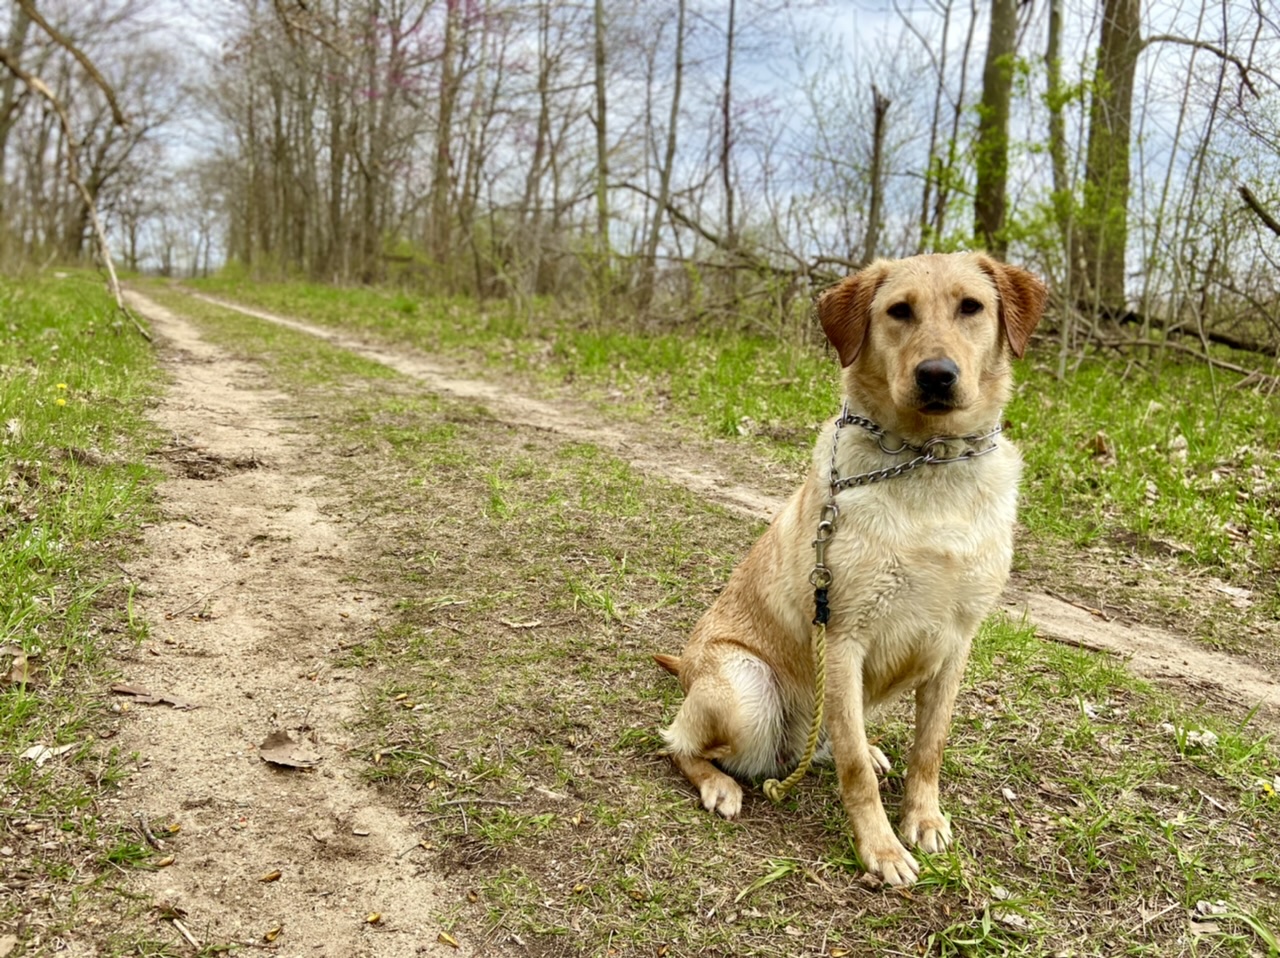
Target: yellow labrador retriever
{"points": [[918, 551]]}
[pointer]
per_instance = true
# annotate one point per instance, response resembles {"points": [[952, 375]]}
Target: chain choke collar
{"points": [[933, 451]]}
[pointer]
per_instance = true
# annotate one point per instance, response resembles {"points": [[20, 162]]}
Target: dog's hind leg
{"points": [[731, 714], [719, 792]]}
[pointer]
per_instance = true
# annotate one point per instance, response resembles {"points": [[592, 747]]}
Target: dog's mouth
{"points": [[937, 407]]}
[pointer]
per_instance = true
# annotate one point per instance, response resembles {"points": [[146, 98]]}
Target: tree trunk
{"points": [[17, 42], [945, 177], [602, 148], [933, 164], [442, 170], [664, 174], [1054, 100], [726, 133], [875, 216], [1104, 217], [992, 149]]}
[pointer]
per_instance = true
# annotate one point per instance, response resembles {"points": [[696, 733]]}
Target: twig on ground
{"points": [[145, 828], [417, 844], [182, 930], [1079, 605], [1252, 374], [198, 599], [478, 801]]}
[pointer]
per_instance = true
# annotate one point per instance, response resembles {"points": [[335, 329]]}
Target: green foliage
{"points": [[73, 491]]}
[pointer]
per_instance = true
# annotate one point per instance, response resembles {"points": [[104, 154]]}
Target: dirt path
{"points": [[244, 584], [1194, 671]]}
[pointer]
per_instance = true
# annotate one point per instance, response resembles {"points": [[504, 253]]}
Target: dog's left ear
{"points": [[845, 311], [1022, 299]]}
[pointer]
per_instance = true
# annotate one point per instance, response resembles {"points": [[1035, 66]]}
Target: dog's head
{"points": [[925, 342]]}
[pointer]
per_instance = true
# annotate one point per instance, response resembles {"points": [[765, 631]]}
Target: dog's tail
{"points": [[669, 662]]}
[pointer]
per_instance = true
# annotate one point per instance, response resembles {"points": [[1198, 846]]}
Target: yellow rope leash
{"points": [[774, 789]]}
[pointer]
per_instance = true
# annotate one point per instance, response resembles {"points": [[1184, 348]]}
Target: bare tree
{"points": [[1105, 211], [991, 153]]}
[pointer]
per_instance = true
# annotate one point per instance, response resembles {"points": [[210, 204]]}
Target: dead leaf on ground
{"points": [[143, 697], [532, 624], [7, 945], [42, 753], [20, 672], [447, 939], [281, 748], [1101, 448]]}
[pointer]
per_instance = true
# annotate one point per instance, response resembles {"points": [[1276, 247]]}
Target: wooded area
{"points": [[691, 160]]}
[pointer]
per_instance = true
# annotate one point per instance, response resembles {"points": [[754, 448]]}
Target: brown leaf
{"points": [[281, 748], [143, 697], [21, 672], [1101, 448], [447, 939], [271, 876]]}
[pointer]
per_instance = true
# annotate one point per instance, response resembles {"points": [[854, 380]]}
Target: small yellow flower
{"points": [[60, 386], [59, 401]]}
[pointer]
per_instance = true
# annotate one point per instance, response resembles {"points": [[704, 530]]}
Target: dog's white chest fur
{"points": [[915, 569]]}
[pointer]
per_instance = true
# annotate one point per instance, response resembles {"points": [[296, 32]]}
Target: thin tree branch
{"points": [[1251, 201], [29, 8], [1254, 375], [1211, 48]]}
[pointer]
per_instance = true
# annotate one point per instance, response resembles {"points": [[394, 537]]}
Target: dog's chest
{"points": [[931, 559]]}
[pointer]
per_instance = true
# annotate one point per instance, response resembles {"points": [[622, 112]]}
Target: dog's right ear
{"points": [[845, 311]]}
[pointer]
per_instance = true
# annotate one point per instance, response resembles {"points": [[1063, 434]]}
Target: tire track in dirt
{"points": [[1153, 653], [1170, 659], [244, 584]]}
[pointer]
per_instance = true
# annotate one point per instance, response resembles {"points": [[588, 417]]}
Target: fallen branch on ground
{"points": [[1251, 375]]}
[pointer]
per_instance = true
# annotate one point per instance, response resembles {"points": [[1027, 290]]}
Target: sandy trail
{"points": [[1195, 671], [245, 585]]}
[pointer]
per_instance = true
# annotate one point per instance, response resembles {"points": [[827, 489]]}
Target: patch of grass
{"points": [[73, 490]]}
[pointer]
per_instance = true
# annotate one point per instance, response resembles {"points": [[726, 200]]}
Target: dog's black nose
{"points": [[935, 377]]}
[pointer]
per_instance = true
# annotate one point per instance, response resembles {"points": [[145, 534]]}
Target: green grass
{"points": [[514, 706], [73, 491]]}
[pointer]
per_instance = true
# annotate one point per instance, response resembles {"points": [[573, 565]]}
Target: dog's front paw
{"points": [[889, 861], [722, 794], [927, 831]]}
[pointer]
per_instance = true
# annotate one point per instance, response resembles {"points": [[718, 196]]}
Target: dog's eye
{"points": [[900, 310], [970, 306]]}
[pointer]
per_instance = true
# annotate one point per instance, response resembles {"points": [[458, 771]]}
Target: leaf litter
{"points": [[281, 748]]}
